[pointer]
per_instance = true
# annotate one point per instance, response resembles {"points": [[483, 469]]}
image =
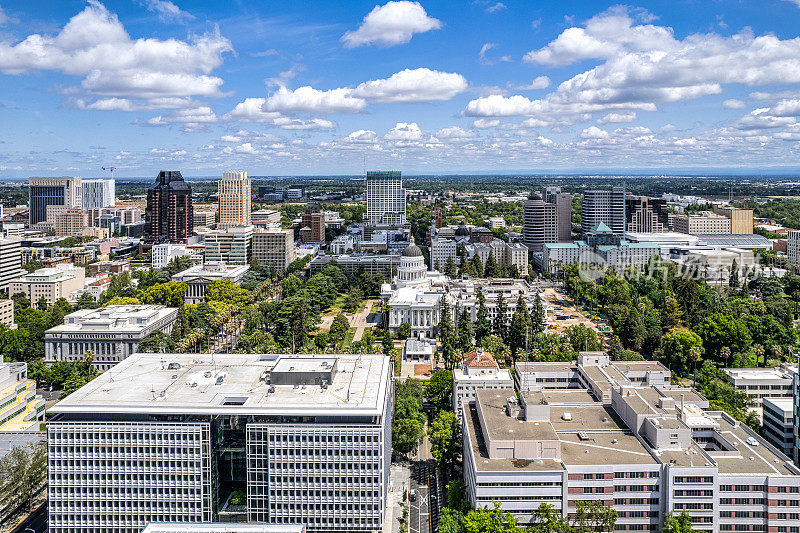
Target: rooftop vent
{"points": [[582, 435], [207, 374], [174, 366], [566, 416], [234, 400]]}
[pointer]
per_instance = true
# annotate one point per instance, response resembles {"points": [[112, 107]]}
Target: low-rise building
{"points": [[382, 265], [760, 383], [60, 281], [778, 423], [265, 217], [110, 267], [69, 222], [274, 247], [643, 450], [7, 313], [418, 351], [162, 254], [204, 218], [478, 371], [497, 222], [111, 333], [233, 245], [306, 438], [463, 294], [198, 277], [704, 223], [20, 408]]}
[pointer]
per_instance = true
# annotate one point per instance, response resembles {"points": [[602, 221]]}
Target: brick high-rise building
{"points": [[70, 222], [312, 225], [168, 217], [234, 199]]}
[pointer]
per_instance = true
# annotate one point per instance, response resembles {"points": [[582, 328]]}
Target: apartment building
{"points": [[778, 423], [741, 219], [162, 254], [111, 333], [274, 247], [603, 206], [198, 277], [20, 408], [57, 194], [70, 222], [641, 449], [760, 383], [312, 225], [234, 199], [60, 281], [547, 218], [702, 223], [98, 193], [793, 248], [10, 261], [306, 438], [386, 198], [478, 371], [7, 313], [233, 245]]}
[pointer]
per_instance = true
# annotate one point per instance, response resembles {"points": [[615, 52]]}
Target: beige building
{"points": [[48, 196], [69, 222], [274, 247], [703, 223], [10, 261], [234, 199], [204, 218], [7, 313], [741, 219], [97, 233], [53, 283]]}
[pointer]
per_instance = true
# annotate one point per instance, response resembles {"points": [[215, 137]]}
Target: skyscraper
{"points": [[607, 206], [644, 214], [98, 193], [547, 218], [386, 198], [168, 216], [312, 225], [234, 199], [59, 194]]}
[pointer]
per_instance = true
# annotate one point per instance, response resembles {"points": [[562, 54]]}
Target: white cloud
{"points": [[246, 148], [362, 137], [483, 123], [391, 24], [483, 60], [455, 133], [418, 85], [297, 124], [230, 139], [404, 131], [251, 110], [499, 6], [733, 103], [309, 100], [109, 104], [593, 132], [4, 19], [94, 45], [178, 153], [616, 118], [167, 11], [795, 2], [538, 83]]}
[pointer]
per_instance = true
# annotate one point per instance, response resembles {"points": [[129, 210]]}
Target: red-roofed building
{"points": [[478, 371]]}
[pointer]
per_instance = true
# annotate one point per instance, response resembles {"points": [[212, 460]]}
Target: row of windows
{"points": [[522, 484], [635, 501], [637, 514], [741, 501], [694, 506], [693, 492], [746, 527], [741, 514], [742, 488], [694, 479], [635, 488]]}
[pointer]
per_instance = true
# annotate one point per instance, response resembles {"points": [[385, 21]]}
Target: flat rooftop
{"points": [[746, 374], [547, 367], [113, 318], [251, 527], [235, 384]]}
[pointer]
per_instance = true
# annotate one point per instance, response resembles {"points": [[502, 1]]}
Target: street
{"points": [[36, 524], [423, 516]]}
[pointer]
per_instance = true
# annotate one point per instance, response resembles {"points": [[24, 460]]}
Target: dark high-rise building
{"points": [[169, 216], [644, 214], [312, 225]]}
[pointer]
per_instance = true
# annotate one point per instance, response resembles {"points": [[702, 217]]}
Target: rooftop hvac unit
{"points": [[566, 416]]}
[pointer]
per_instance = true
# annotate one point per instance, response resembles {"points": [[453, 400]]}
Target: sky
{"points": [[321, 87]]}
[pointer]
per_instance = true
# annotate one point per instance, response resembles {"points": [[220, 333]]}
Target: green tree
{"points": [[170, 294], [321, 340], [720, 330], [339, 328], [123, 300], [491, 270], [22, 475], [547, 519], [407, 434], [483, 326], [157, 342], [439, 389], [538, 316], [677, 524], [226, 291], [593, 517], [387, 345], [484, 520], [445, 438], [450, 268], [677, 346], [404, 331], [447, 334], [499, 324], [464, 330]]}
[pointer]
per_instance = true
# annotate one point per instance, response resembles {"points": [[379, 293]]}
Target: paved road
{"points": [[361, 320], [36, 524]]}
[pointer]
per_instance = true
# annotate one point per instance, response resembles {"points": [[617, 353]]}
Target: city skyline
{"points": [[428, 87]]}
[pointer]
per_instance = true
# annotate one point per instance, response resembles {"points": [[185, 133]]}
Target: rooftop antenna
{"points": [[110, 169]]}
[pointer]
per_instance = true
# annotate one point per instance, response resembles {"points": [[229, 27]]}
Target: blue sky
{"points": [[326, 87]]}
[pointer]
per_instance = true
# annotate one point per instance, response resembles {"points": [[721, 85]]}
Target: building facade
{"points": [[60, 281], [274, 247], [162, 254], [778, 423], [110, 333], [702, 223], [204, 219], [312, 225], [234, 199], [793, 248], [98, 193], [386, 198], [741, 219], [57, 193], [382, 265], [169, 216], [198, 277], [20, 408], [70, 222], [233, 245], [478, 371], [547, 218], [645, 214], [760, 383], [306, 438], [606, 206], [10, 261]]}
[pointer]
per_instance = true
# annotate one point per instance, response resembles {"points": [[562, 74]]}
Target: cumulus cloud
{"points": [[418, 85], [192, 120], [95, 46], [167, 11], [309, 100], [538, 83], [455, 133], [391, 24], [644, 65], [616, 118], [246, 148], [733, 103], [593, 132], [404, 131], [362, 136]]}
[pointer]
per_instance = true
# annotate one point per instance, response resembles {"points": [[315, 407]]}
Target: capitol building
{"points": [[414, 295]]}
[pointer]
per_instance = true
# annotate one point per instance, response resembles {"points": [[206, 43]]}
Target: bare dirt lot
{"points": [[564, 305]]}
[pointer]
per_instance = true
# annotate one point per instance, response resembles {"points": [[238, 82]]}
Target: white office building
{"points": [[478, 371], [111, 333], [98, 193], [760, 383], [778, 423], [604, 206], [10, 261], [162, 254], [198, 277], [386, 198], [171, 437], [793, 248]]}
